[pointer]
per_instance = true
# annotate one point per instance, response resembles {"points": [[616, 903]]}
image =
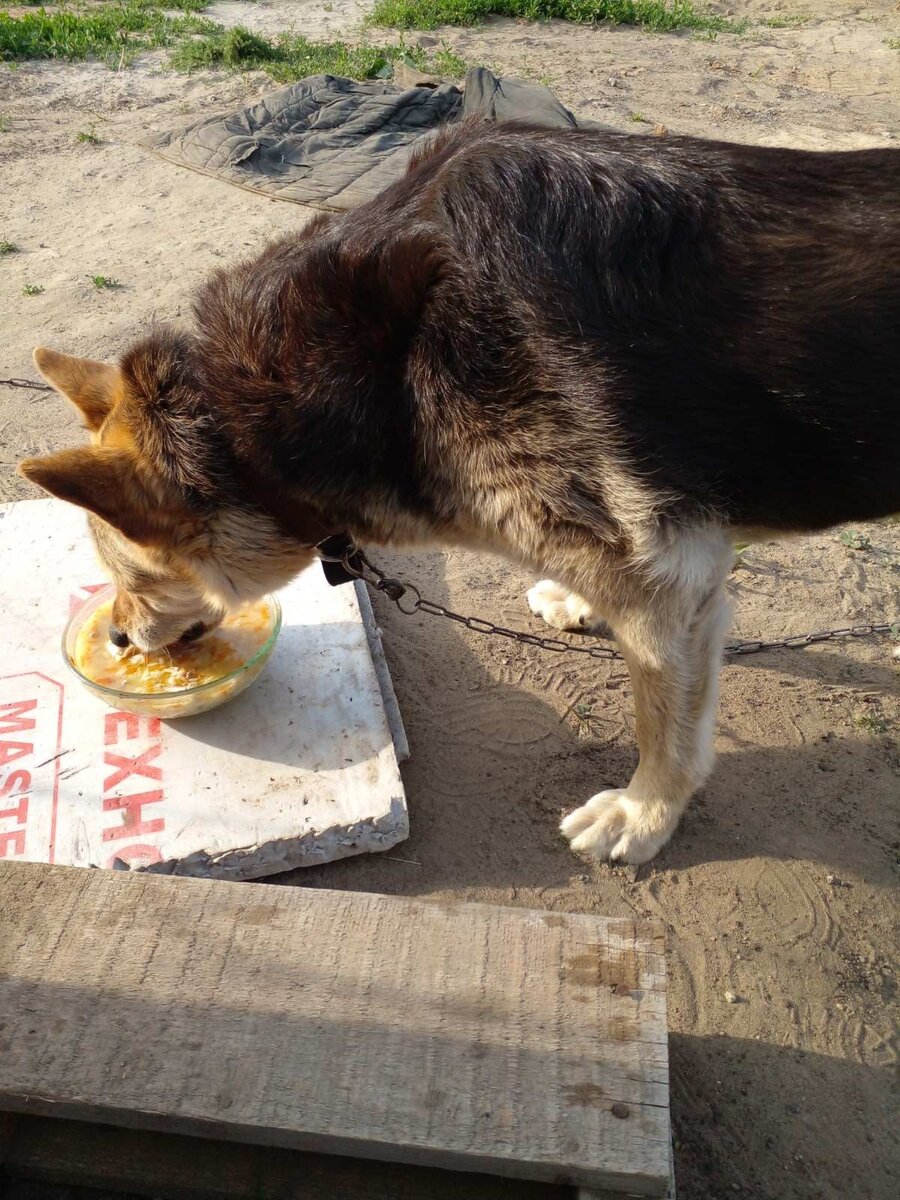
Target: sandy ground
{"points": [[781, 885]]}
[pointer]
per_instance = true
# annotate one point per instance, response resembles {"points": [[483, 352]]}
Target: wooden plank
{"points": [[468, 1037], [8, 1122], [593, 1194], [141, 1162]]}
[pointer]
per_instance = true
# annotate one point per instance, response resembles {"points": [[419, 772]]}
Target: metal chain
{"points": [[398, 591], [26, 383], [798, 640]]}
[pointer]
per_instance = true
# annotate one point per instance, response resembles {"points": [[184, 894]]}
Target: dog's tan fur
{"points": [[166, 563]]}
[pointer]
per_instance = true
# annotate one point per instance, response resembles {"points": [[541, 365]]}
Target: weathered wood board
{"points": [[141, 1162], [300, 769], [470, 1037], [593, 1194]]}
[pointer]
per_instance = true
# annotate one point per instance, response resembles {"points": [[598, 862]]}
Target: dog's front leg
{"points": [[673, 649]]}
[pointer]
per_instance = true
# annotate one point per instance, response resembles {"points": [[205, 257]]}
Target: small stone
{"points": [[732, 998], [621, 1111]]}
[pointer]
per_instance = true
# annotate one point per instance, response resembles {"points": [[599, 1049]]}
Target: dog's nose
{"points": [[118, 637], [195, 631]]}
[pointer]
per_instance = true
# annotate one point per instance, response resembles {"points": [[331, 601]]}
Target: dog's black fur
{"points": [[731, 313]]}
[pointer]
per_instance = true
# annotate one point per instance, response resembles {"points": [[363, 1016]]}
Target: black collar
{"points": [[337, 553]]}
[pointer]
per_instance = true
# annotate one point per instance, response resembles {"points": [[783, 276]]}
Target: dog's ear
{"points": [[106, 482], [93, 387]]}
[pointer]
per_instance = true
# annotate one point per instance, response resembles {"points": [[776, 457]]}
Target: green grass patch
{"points": [[587, 722], [663, 16], [871, 722], [32, 289], [855, 539], [8, 248], [442, 62], [185, 6], [113, 33], [101, 282], [791, 21], [291, 56], [88, 136], [117, 32]]}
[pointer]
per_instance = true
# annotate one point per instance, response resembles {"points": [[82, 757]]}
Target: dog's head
{"points": [[179, 551]]}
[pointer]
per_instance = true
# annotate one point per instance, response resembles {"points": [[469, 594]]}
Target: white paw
{"points": [[559, 607], [612, 825]]}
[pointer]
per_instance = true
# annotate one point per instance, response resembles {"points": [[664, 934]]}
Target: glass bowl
{"points": [[181, 702]]}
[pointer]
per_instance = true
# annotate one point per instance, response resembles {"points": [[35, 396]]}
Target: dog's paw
{"points": [[612, 825], [560, 608]]}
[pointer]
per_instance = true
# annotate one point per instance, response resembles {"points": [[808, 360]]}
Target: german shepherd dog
{"points": [[605, 357]]}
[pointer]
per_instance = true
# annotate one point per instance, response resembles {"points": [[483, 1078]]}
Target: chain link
{"points": [[26, 383], [400, 591]]}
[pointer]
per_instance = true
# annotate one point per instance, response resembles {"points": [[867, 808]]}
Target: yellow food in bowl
{"points": [[185, 665], [182, 680]]}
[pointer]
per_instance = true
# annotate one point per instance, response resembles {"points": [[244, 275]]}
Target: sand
{"points": [[780, 886]]}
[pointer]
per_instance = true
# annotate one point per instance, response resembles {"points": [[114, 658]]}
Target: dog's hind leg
{"points": [[673, 647], [563, 609]]}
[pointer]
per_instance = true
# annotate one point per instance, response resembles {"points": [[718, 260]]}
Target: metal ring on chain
{"points": [[414, 606]]}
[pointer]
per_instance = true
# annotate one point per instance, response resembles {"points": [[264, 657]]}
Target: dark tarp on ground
{"points": [[331, 143]]}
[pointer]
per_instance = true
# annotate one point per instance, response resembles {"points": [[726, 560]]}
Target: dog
{"points": [[605, 357]]}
